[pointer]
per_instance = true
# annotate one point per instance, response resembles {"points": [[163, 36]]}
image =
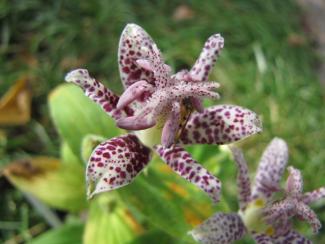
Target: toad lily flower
{"points": [[158, 108], [261, 214]]}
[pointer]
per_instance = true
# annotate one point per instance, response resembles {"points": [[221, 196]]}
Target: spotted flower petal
{"points": [[171, 126], [132, 42], [282, 211], [278, 215], [313, 196], [307, 214], [270, 169], [261, 238], [203, 65], [134, 92], [243, 182], [220, 228], [294, 185], [184, 165], [160, 103], [115, 163], [220, 124], [140, 58], [291, 237], [97, 92]]}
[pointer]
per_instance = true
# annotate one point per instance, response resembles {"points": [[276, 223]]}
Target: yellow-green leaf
{"points": [[76, 116], [66, 234], [110, 222], [59, 185]]}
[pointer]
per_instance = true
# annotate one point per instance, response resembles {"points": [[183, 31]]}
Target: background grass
{"points": [[267, 65]]}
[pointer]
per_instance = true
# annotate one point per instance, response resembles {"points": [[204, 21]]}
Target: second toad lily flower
{"points": [[264, 216], [158, 107]]}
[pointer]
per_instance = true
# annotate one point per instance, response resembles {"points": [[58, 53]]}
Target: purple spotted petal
{"points": [[207, 58], [145, 64], [307, 214], [220, 124], [294, 185], [270, 169], [197, 104], [160, 103], [195, 101], [261, 238], [171, 126], [314, 196], [155, 62], [220, 228], [140, 58], [183, 164], [132, 42], [291, 237], [281, 212], [134, 92], [115, 163], [144, 121], [97, 92], [243, 182]]}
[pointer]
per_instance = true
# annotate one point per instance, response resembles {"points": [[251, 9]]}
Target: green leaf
{"points": [[152, 237], [109, 221], [167, 201], [75, 116], [66, 234], [59, 185], [67, 155]]}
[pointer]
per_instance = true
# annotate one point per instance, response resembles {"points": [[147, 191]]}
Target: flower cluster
{"points": [[163, 111], [262, 213]]}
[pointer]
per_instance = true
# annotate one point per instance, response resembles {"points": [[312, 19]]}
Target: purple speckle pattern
{"points": [[313, 196], [203, 65], [277, 214], [115, 163], [154, 96], [171, 126], [220, 124], [134, 92], [261, 238], [159, 104], [294, 186], [243, 182], [132, 42], [151, 92], [291, 237], [221, 228], [184, 165], [98, 93], [271, 168], [292, 205], [141, 60]]}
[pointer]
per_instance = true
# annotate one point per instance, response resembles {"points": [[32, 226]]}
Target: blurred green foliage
{"points": [[267, 65]]}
